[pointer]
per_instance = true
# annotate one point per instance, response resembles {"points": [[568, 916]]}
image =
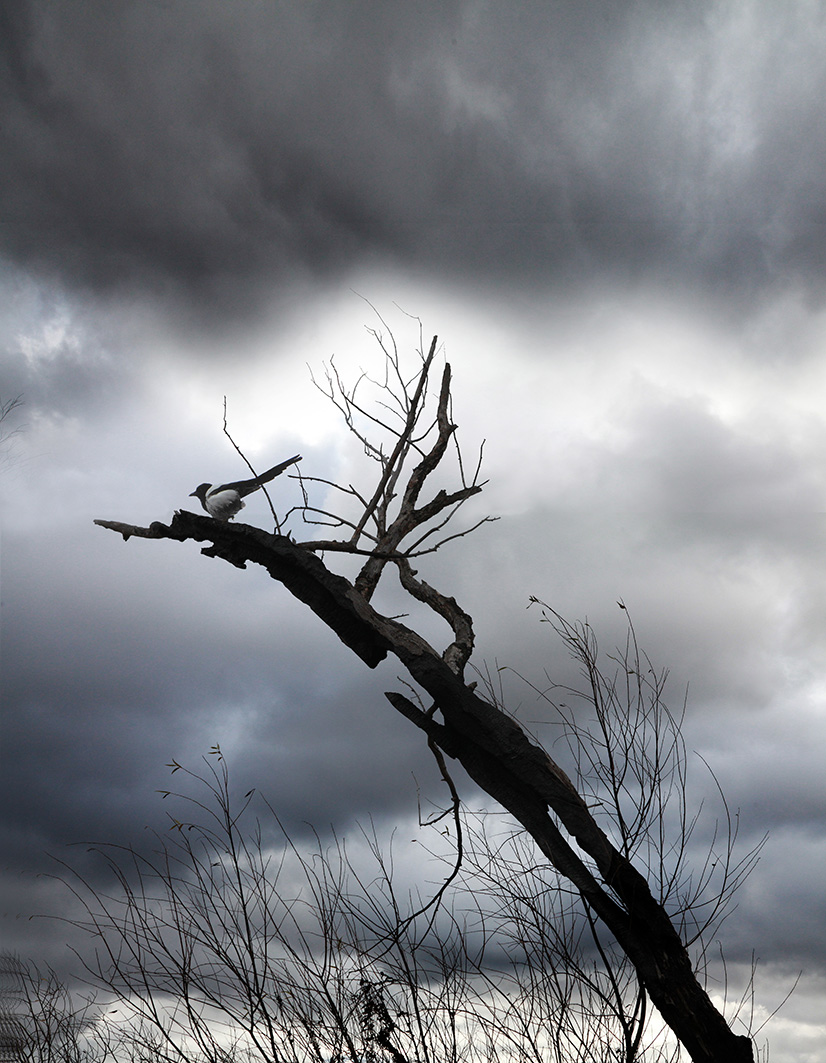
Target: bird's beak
{"points": [[193, 494]]}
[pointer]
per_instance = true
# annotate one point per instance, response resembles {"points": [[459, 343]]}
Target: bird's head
{"points": [[201, 492]]}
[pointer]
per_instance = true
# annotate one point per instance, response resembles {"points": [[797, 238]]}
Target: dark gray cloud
{"points": [[217, 159]]}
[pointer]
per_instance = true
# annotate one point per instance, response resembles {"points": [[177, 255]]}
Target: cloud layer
{"points": [[224, 156]]}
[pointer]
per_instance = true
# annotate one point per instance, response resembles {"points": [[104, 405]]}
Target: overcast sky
{"points": [[612, 214]]}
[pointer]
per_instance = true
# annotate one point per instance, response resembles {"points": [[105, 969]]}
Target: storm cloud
{"points": [[216, 152]]}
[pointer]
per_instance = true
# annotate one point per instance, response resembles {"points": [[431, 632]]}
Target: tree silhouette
{"points": [[409, 434]]}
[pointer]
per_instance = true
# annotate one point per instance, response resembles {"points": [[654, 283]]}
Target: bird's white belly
{"points": [[223, 505]]}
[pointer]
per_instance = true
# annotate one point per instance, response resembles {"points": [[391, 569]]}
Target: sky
{"points": [[613, 216]]}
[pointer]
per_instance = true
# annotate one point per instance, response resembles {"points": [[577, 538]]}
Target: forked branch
{"points": [[393, 511]]}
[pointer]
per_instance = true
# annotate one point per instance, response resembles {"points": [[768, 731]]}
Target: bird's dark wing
{"points": [[246, 487]]}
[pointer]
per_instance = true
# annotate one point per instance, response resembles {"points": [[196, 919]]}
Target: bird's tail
{"points": [[276, 470]]}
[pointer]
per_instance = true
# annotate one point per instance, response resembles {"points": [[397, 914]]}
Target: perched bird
{"points": [[223, 501]]}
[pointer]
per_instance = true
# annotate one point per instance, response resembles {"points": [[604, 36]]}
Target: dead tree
{"points": [[392, 525]]}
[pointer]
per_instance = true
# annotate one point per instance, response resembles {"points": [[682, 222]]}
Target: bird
{"points": [[223, 501]]}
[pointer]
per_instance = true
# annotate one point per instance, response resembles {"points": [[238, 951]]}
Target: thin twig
{"points": [[251, 469]]}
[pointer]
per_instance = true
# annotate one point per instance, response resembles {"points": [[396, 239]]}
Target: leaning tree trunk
{"points": [[496, 753]]}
